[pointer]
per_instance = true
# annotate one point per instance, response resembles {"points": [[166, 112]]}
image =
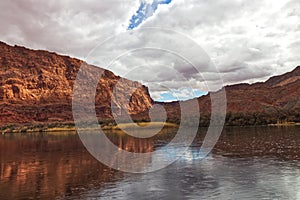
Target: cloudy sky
{"points": [[247, 41]]}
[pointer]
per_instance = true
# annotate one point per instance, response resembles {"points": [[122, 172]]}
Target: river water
{"points": [[246, 163]]}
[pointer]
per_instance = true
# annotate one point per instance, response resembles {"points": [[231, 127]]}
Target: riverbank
{"points": [[286, 124], [33, 128], [70, 127]]}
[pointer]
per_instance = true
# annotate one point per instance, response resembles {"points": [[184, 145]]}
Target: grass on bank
{"points": [[31, 128]]}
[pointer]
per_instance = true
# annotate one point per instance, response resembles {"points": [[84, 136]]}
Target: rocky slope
{"points": [[275, 101], [36, 87]]}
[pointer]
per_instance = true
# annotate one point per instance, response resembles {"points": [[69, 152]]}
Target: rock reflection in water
{"points": [[54, 165]]}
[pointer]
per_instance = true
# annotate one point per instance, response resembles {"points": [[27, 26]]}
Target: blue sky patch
{"points": [[145, 11], [180, 94]]}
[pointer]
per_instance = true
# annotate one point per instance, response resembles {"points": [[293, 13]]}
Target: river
{"points": [[246, 163]]}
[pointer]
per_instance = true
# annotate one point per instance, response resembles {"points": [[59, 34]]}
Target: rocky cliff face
{"points": [[275, 101], [277, 96], [36, 86]]}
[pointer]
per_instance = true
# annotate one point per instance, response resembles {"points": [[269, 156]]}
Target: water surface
{"points": [[247, 163]]}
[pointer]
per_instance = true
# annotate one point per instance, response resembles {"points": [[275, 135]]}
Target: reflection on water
{"points": [[253, 163], [216, 178], [42, 165]]}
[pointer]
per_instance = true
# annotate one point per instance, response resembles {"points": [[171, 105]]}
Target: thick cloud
{"points": [[247, 40], [64, 26]]}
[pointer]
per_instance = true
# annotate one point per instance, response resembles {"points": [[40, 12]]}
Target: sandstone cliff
{"points": [[36, 87], [275, 101]]}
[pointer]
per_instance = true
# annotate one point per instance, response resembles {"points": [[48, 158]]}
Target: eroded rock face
{"points": [[280, 95], [36, 86], [275, 101]]}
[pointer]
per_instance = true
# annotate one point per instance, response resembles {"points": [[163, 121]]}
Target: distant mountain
{"points": [[285, 79], [36, 87], [275, 101]]}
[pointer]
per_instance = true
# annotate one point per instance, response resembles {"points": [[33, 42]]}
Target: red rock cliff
{"points": [[36, 86]]}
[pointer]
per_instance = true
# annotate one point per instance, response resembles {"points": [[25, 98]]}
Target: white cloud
{"points": [[64, 26], [247, 40]]}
